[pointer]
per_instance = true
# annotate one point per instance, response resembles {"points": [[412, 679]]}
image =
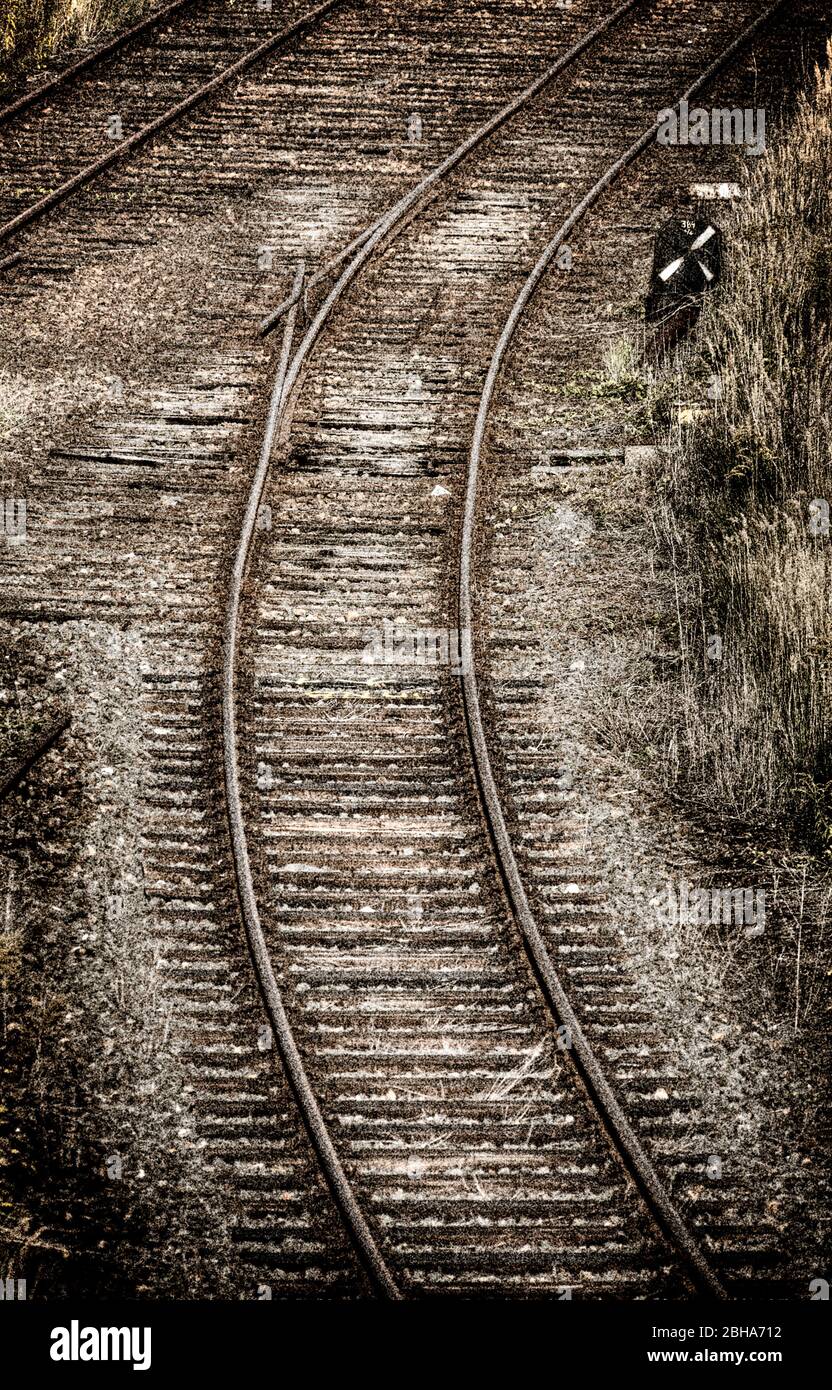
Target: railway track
{"points": [[99, 562], [467, 1155], [304, 939], [63, 76], [195, 56], [663, 1208]]}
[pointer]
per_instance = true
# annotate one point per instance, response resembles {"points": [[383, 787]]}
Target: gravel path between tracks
{"points": [[725, 1001]]}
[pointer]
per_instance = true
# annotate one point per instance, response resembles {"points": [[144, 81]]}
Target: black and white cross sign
{"points": [[686, 263]]}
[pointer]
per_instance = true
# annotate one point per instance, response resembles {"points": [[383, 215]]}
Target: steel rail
{"points": [[35, 750], [337, 1179], [621, 1131], [140, 137], [16, 108], [367, 240]]}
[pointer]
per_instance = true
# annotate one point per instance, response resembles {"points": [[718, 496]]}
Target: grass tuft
{"points": [[34, 31]]}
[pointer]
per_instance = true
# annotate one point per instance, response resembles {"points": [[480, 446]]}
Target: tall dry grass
{"points": [[33, 31], [751, 724]]}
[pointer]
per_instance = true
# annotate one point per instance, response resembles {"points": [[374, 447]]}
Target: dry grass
{"points": [[623, 369], [33, 31], [750, 729], [100, 1152]]}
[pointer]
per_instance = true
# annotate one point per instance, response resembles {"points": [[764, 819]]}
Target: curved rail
{"points": [[278, 423], [367, 241], [651, 1185], [285, 383], [331, 1164], [16, 108], [140, 137]]}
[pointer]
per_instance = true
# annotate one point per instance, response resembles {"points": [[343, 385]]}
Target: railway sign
{"points": [[686, 264]]}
